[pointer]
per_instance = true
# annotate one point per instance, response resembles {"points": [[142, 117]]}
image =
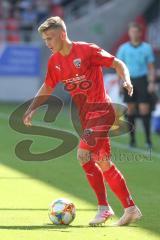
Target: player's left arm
{"points": [[150, 58], [100, 57], [151, 77], [123, 73]]}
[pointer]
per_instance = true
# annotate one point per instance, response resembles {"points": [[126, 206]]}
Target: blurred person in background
{"points": [[5, 8], [57, 8], [139, 58], [43, 9], [13, 27], [28, 18]]}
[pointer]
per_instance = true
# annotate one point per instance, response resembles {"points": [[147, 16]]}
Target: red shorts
{"points": [[100, 149], [95, 133]]}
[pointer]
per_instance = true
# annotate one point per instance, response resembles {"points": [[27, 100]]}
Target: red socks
{"points": [[114, 179], [95, 179], [118, 185]]}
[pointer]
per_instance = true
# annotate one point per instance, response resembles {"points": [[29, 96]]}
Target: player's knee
{"points": [[144, 111], [131, 109], [83, 156], [105, 163], [131, 112]]}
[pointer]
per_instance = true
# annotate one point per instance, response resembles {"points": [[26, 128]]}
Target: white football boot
{"points": [[131, 214], [103, 214]]}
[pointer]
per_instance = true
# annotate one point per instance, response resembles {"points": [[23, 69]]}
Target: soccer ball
{"points": [[62, 211]]}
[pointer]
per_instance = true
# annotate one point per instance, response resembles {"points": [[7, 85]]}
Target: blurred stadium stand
{"points": [[19, 18]]}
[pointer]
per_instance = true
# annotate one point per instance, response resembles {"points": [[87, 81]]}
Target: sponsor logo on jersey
{"points": [[58, 67], [75, 79], [77, 62]]}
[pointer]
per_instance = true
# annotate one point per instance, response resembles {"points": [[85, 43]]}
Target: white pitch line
{"points": [[5, 116]]}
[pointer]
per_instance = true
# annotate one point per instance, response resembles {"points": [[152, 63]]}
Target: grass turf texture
{"points": [[27, 188]]}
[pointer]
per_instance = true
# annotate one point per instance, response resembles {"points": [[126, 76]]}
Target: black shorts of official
{"points": [[140, 91]]}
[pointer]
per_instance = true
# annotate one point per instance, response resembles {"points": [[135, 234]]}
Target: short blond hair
{"points": [[52, 23]]}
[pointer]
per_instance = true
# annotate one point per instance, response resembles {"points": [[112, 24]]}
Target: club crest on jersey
{"points": [[77, 62]]}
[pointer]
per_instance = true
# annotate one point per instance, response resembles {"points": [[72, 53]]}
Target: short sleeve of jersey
{"points": [[50, 79], [150, 54], [120, 53], [100, 57]]}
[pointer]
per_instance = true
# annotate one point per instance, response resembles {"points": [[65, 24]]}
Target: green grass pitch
{"points": [[27, 188]]}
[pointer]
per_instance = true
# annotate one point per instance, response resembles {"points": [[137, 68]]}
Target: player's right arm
{"points": [[42, 95]]}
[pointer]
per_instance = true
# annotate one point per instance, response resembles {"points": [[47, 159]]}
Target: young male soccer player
{"points": [[78, 66]]}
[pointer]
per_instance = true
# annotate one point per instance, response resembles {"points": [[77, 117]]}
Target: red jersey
{"points": [[81, 73]]}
